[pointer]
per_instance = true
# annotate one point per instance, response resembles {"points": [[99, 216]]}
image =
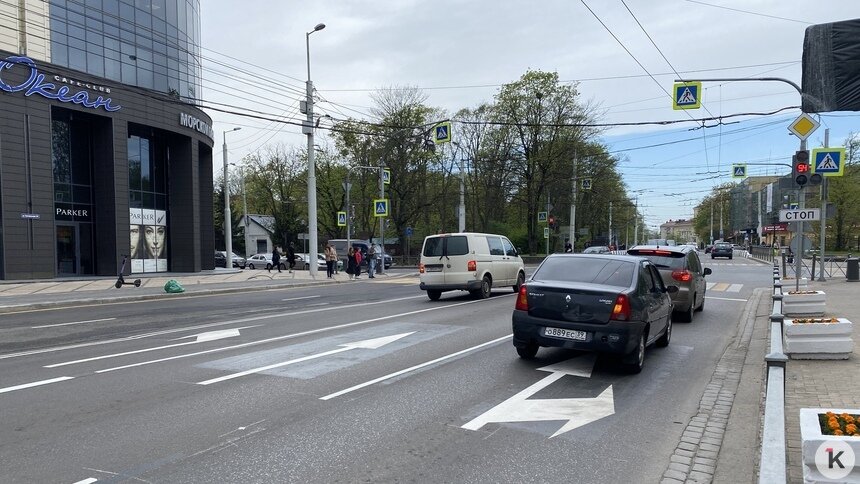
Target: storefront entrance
{"points": [[74, 249]]}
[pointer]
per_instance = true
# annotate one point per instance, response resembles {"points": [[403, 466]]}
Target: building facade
{"points": [[103, 153]]}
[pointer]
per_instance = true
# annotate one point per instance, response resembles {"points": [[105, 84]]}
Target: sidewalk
{"points": [[809, 383], [41, 294]]}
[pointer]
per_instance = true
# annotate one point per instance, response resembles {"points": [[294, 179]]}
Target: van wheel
{"points": [[521, 278], [484, 291], [434, 295]]}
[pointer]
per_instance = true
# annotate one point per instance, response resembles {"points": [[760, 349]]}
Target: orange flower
{"points": [[830, 415], [850, 420], [851, 429], [833, 424], [837, 432]]}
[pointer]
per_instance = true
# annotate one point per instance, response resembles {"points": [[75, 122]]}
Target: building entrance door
{"points": [[75, 249]]}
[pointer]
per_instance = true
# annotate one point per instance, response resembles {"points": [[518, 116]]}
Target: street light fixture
{"points": [[308, 129], [228, 242]]}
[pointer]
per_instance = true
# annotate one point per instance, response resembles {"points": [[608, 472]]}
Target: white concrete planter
{"points": [[813, 441], [802, 305], [818, 341]]}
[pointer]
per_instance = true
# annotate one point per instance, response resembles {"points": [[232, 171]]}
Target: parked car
{"points": [[679, 266], [362, 245], [721, 249], [597, 249], [301, 262], [263, 261], [469, 262], [221, 260], [606, 303]]}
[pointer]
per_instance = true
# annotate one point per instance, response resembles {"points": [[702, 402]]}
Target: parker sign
{"points": [[800, 215]]}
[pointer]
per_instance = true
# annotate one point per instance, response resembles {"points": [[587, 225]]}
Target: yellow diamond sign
{"points": [[803, 126]]}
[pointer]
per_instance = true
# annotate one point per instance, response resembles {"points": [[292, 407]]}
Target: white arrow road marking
{"points": [[87, 481], [411, 368], [369, 344], [200, 338], [73, 322], [577, 411], [303, 333], [35, 384]]}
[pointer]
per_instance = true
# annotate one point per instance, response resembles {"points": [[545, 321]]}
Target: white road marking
{"points": [[69, 324], [192, 328], [577, 411], [200, 338], [35, 384], [371, 344], [735, 288], [412, 368], [295, 335], [299, 298], [725, 298], [87, 481]]}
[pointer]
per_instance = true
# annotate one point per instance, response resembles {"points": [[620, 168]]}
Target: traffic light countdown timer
{"points": [[802, 172]]}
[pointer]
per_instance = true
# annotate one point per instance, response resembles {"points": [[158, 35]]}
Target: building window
{"points": [[147, 177]]}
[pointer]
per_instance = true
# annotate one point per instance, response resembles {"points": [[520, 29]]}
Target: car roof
{"points": [[629, 258], [671, 248]]}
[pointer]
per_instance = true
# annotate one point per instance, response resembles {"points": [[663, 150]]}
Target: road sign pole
{"points": [[823, 215], [382, 220], [798, 235]]}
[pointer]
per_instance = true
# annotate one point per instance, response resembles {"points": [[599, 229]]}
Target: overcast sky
{"points": [[460, 51]]}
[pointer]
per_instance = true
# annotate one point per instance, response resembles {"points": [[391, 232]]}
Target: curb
{"points": [[695, 457]]}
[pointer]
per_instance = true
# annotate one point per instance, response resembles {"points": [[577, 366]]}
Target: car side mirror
{"points": [[708, 271]]}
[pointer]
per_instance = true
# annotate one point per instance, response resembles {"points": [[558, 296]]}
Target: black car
{"points": [[721, 249], [607, 303]]}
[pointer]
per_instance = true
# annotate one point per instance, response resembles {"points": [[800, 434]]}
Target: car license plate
{"points": [[565, 333], [433, 268]]}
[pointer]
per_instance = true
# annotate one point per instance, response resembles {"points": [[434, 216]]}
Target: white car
{"points": [[264, 261], [321, 266]]}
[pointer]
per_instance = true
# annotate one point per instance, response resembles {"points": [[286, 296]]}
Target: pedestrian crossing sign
{"points": [[341, 219], [541, 217], [386, 176], [828, 161], [380, 207], [688, 95], [586, 183], [442, 132], [739, 170]]}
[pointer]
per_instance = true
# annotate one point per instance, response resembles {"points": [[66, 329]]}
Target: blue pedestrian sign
{"points": [[828, 161], [386, 176], [442, 132], [409, 231], [341, 219], [687, 95], [739, 170], [380, 207]]}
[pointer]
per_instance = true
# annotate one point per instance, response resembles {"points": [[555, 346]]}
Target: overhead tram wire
{"points": [[751, 13]]}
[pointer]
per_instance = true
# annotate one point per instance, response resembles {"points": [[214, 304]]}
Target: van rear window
{"points": [[439, 246]]}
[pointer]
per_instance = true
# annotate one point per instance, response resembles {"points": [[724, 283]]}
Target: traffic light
{"points": [[551, 221], [800, 162]]}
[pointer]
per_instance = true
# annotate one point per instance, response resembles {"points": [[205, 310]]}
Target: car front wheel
{"points": [[251, 266]]}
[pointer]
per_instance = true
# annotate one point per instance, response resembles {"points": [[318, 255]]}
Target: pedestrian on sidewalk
{"points": [[276, 259], [291, 256], [330, 260], [371, 261], [358, 261], [350, 263]]}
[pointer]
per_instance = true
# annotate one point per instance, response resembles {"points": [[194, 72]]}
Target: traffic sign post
{"points": [[828, 161], [386, 176], [380, 207], [442, 133], [586, 183], [803, 126], [542, 217], [739, 170], [341, 219]]}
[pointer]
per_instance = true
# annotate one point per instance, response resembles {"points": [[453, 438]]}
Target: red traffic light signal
{"points": [[551, 220], [801, 168]]}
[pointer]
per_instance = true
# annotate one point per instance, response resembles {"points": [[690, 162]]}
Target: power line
{"points": [[751, 13]]}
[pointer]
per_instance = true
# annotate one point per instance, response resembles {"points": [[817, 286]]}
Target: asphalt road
{"points": [[355, 382]]}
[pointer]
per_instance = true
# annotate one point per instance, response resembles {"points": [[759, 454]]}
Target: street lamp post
{"points": [[228, 237], [308, 129]]}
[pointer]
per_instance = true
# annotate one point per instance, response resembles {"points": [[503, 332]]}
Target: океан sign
{"points": [[35, 83]]}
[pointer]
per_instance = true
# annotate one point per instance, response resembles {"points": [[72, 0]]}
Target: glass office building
{"points": [[104, 156]]}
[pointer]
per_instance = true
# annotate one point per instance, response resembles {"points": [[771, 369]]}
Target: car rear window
{"points": [[586, 269], [436, 246], [663, 259], [723, 246]]}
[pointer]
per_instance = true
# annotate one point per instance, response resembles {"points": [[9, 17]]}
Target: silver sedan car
{"points": [[264, 261]]}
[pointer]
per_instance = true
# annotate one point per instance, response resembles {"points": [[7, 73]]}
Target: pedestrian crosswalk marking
{"points": [[735, 288], [724, 287]]}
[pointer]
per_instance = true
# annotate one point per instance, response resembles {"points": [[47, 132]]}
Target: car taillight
{"points": [[421, 268], [683, 276], [621, 310], [472, 266], [522, 299]]}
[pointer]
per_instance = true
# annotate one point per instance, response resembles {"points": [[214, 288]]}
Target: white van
{"points": [[469, 262]]}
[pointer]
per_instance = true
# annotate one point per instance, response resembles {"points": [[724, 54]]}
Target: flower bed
{"points": [[818, 338], [804, 303], [818, 437]]}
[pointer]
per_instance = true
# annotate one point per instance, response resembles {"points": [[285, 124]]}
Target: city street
{"points": [[364, 381]]}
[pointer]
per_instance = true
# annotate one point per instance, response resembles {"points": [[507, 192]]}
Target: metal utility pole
{"points": [[245, 214], [823, 214], [382, 219], [721, 215], [712, 221], [462, 209], [348, 187], [610, 222], [308, 129], [228, 236], [572, 230], [636, 228]]}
